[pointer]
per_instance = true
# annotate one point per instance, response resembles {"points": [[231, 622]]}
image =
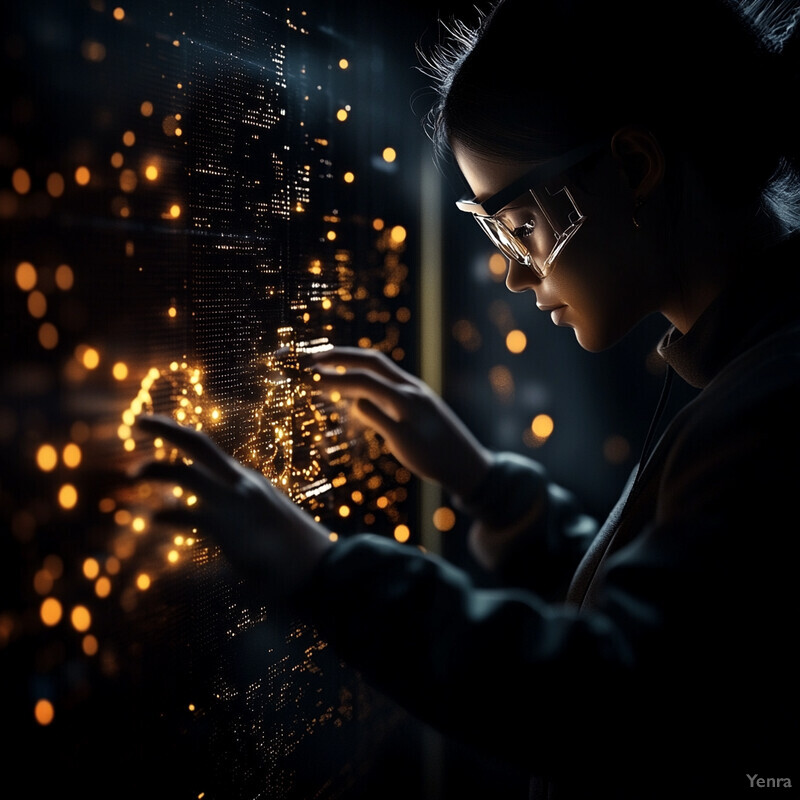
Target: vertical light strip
{"points": [[430, 323], [431, 371]]}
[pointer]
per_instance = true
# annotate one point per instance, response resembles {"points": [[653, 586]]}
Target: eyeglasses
{"points": [[533, 225]]}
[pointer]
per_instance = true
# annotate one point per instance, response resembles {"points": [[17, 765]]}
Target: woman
{"points": [[628, 160]]}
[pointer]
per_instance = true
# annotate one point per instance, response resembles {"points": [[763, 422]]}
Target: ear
{"points": [[640, 159]]}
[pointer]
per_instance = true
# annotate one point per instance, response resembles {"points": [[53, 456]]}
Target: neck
{"points": [[688, 307]]}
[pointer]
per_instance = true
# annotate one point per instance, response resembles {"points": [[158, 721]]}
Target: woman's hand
{"points": [[261, 531], [420, 429]]}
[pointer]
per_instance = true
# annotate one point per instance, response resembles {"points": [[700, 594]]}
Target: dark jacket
{"points": [[669, 667]]}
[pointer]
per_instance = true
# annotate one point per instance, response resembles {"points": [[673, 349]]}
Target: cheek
{"points": [[601, 306]]}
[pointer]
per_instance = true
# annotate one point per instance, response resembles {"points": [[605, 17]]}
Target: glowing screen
{"points": [[182, 218]]}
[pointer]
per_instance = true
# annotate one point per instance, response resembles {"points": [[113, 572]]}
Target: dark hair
{"points": [[715, 79]]}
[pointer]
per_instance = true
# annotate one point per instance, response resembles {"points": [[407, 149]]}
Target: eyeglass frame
{"points": [[537, 176]]}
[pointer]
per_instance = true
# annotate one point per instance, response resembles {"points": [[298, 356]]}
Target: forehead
{"points": [[486, 177]]}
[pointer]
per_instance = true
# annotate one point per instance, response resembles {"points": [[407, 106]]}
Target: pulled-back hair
{"points": [[715, 80]]}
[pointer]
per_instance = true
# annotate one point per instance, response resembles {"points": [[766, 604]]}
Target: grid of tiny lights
{"points": [[179, 232]]}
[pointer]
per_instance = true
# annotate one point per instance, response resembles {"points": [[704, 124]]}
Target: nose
{"points": [[520, 278]]}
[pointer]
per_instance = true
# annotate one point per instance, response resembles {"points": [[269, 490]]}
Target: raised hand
{"points": [[261, 531], [419, 428]]}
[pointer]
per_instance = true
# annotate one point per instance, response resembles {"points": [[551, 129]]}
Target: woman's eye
{"points": [[526, 229]]}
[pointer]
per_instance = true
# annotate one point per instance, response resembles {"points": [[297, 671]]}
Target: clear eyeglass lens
{"points": [[509, 243], [542, 222]]}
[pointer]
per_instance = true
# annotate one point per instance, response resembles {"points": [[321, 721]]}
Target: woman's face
{"points": [[606, 279]]}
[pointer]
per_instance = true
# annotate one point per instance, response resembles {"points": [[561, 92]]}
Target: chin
{"points": [[595, 341]]}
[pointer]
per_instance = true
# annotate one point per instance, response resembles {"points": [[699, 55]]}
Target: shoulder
{"points": [[739, 438]]}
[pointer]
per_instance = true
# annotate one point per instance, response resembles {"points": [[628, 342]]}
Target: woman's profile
{"points": [[628, 159]]}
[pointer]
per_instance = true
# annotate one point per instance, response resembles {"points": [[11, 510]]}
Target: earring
{"points": [[637, 206]]}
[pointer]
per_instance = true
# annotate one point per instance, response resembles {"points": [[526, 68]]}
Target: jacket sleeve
{"points": [[534, 529], [497, 668]]}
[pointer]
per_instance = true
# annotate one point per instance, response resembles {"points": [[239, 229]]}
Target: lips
{"points": [[556, 311]]}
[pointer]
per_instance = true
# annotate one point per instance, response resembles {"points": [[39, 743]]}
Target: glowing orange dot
{"points": [[64, 277], [172, 312], [25, 276], [48, 335], [43, 582], [119, 371], [82, 176], [44, 712], [37, 304], [402, 533], [398, 234], [129, 138], [497, 265], [174, 210], [343, 63], [71, 455], [389, 154], [151, 172], [67, 496], [91, 568], [90, 645], [349, 177], [143, 582], [146, 109], [119, 13], [21, 181], [102, 587], [516, 341], [46, 457], [50, 611], [55, 184], [444, 519], [542, 426], [91, 358], [81, 618], [341, 115], [128, 180]]}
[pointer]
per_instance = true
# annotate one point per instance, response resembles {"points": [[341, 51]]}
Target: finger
{"points": [[362, 358], [194, 444], [360, 385], [187, 477], [374, 417]]}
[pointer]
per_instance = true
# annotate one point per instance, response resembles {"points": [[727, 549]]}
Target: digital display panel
{"points": [[185, 212]]}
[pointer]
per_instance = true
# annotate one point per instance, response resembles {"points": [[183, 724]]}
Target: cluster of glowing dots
{"points": [[186, 391], [287, 402], [47, 459], [53, 613], [30, 280]]}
